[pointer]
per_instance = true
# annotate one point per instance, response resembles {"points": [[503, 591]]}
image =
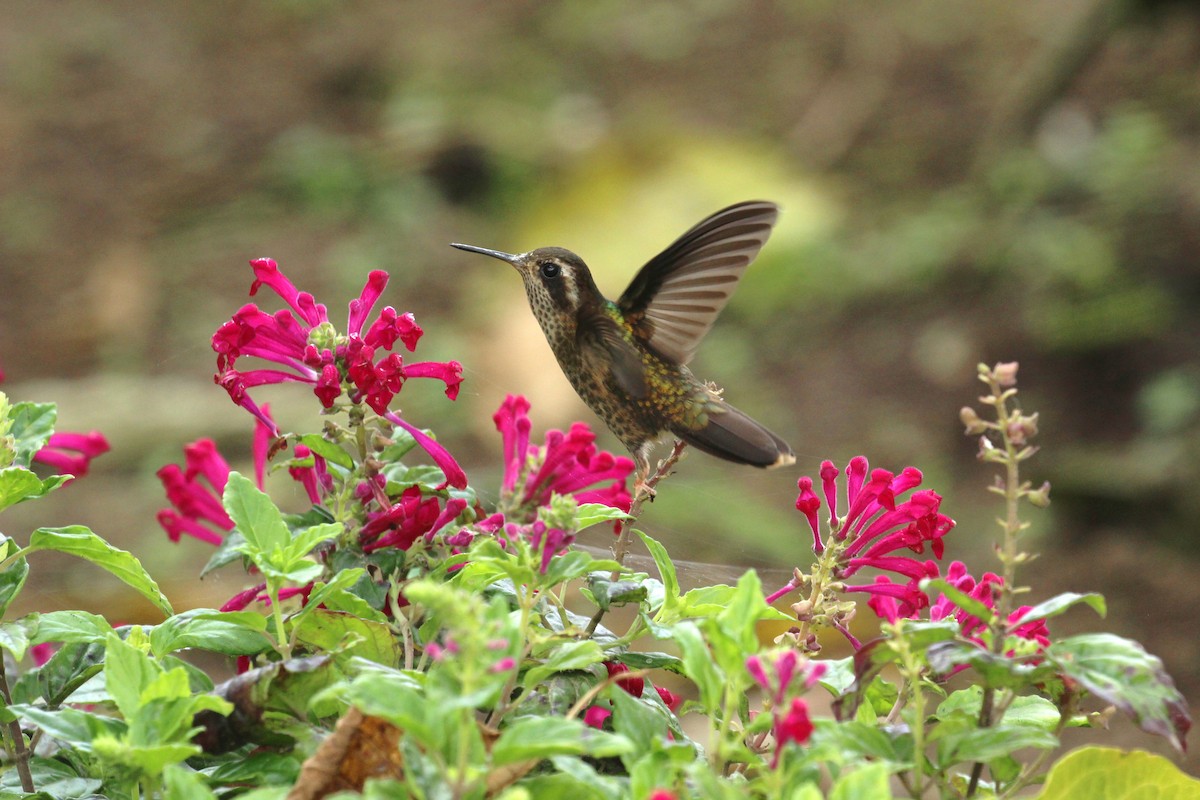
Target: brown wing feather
{"points": [[676, 296]]}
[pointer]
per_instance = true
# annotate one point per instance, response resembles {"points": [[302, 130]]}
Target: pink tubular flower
{"points": [[878, 526], [258, 594], [663, 794], [305, 348], [72, 453], [784, 672], [566, 464], [197, 503], [896, 601]]}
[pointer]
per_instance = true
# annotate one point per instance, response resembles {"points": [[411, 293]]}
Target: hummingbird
{"points": [[628, 359]]}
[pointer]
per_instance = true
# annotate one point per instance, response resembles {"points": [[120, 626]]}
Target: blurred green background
{"points": [[960, 182]]}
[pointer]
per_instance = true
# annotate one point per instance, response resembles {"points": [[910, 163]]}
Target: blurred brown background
{"points": [[961, 183]]}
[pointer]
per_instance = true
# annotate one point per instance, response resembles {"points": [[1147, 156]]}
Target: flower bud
{"points": [[803, 610], [971, 420], [1040, 497], [1005, 374]]}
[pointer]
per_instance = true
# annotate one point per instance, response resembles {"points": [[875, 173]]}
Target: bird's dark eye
{"points": [[549, 269]]}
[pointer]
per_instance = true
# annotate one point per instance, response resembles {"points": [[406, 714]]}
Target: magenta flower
{"points": [[878, 528], [259, 594], [566, 464], [783, 673], [550, 542], [595, 716], [634, 686], [72, 453], [195, 494], [305, 348], [893, 605], [792, 726]]}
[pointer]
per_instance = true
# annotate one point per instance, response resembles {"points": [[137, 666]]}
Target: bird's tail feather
{"points": [[732, 435]]}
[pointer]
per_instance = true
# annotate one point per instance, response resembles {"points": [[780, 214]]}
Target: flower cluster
{"points": [[784, 675], [985, 590], [878, 527], [567, 464], [305, 348]]}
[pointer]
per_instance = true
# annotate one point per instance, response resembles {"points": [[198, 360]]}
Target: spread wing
{"points": [[674, 299]]}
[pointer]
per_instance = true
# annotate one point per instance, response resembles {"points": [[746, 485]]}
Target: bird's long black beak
{"points": [[470, 248]]}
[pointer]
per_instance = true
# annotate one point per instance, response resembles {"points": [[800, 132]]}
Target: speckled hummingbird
{"points": [[628, 359]]}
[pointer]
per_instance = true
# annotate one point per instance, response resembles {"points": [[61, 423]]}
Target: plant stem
{"points": [[644, 492], [19, 751]]}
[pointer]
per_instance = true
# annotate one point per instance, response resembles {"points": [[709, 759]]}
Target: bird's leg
{"points": [[641, 474]]}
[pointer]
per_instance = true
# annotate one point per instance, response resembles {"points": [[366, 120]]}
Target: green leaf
{"points": [[127, 671], [589, 514], [395, 697], [12, 579], [31, 427], [70, 725], [79, 541], [935, 586], [186, 784], [71, 626], [305, 540], [324, 592], [14, 637], [1057, 605], [698, 665], [666, 569], [868, 783], [53, 778], [1121, 672], [985, 744], [1105, 773], [566, 656], [231, 633], [331, 452], [71, 666], [145, 759], [256, 517], [331, 631], [18, 484], [539, 737]]}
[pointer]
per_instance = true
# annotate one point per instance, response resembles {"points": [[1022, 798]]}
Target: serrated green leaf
{"points": [[79, 541], [256, 517], [69, 668], [230, 550], [14, 637], [1057, 605], [331, 452], [71, 626], [31, 425], [1121, 672], [396, 697], [1106, 773]]}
